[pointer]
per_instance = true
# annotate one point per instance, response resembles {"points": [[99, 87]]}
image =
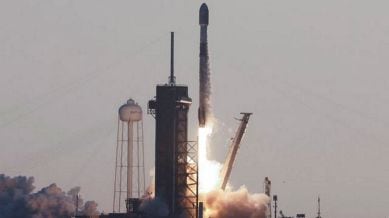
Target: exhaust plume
{"points": [[18, 201], [232, 204]]}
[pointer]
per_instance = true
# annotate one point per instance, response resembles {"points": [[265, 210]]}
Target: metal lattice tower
{"points": [[188, 170]]}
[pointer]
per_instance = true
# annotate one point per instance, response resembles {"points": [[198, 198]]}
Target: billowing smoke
{"points": [[232, 204], [150, 190], [17, 200], [153, 207], [89, 208]]}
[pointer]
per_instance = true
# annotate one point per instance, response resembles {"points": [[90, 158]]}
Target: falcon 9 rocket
{"points": [[204, 111]]}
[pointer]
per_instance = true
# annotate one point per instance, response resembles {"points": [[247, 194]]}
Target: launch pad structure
{"points": [[176, 188], [176, 168], [229, 162], [176, 157]]}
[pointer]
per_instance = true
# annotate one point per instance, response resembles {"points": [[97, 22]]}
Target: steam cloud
{"points": [[152, 207], [18, 201], [232, 204]]}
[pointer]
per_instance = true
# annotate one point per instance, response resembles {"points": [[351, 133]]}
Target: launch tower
{"points": [[175, 157]]}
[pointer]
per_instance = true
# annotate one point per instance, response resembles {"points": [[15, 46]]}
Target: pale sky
{"points": [[314, 73]]}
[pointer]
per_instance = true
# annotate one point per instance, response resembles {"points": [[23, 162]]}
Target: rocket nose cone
{"points": [[203, 15], [204, 7]]}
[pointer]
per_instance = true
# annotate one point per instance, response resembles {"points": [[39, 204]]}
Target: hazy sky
{"points": [[314, 73]]}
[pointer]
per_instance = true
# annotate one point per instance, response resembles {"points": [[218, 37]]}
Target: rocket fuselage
{"points": [[205, 84]]}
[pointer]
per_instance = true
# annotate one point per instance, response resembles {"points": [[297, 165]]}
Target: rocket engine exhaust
{"points": [[204, 111], [209, 170]]}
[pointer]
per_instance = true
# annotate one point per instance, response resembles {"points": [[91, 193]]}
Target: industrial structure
{"points": [[227, 167], [267, 191], [176, 173], [318, 207], [282, 215], [176, 158], [176, 167], [129, 181], [275, 199]]}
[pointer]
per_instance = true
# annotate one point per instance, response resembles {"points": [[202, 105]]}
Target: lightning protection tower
{"points": [[318, 207], [267, 190], [129, 184]]}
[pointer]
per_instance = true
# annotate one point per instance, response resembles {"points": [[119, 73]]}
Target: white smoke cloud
{"points": [[233, 204]]}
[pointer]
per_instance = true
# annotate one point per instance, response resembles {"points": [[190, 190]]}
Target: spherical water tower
{"points": [[129, 141], [130, 112]]}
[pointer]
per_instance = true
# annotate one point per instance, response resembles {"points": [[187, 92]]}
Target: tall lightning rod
{"points": [[172, 78]]}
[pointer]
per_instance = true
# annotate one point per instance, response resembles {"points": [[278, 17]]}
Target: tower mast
{"points": [[318, 207]]}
